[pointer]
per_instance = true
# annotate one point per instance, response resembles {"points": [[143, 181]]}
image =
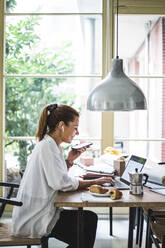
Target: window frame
{"points": [[3, 76], [148, 7], [108, 21], [2, 88]]}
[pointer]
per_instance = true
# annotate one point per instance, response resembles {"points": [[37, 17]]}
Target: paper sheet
{"points": [[87, 197], [97, 167]]}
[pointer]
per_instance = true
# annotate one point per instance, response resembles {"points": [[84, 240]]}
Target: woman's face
{"points": [[69, 131]]}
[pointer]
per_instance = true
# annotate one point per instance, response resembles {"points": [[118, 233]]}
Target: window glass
{"points": [[53, 44], [144, 39], [49, 40], [25, 98], [146, 149], [143, 123], [137, 27], [144, 57], [56, 6]]}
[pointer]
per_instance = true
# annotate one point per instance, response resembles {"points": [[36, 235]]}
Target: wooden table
{"points": [[74, 199]]}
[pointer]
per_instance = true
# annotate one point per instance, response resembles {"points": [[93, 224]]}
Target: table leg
{"points": [[138, 216], [132, 212], [141, 228], [111, 221], [80, 228]]}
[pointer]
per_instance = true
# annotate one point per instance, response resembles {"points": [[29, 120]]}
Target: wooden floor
{"points": [[103, 239]]}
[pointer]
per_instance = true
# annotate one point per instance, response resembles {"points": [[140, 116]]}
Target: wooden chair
{"points": [[6, 238], [144, 215], [156, 229]]}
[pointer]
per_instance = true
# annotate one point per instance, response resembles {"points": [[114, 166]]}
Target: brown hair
{"points": [[51, 115]]}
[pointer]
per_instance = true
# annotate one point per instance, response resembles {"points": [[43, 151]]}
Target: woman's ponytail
{"points": [[42, 125]]}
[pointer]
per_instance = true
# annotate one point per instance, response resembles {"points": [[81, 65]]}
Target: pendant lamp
{"points": [[116, 92]]}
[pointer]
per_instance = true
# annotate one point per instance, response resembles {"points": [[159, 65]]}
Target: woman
{"points": [[46, 174]]}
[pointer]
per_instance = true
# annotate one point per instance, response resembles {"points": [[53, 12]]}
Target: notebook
{"points": [[134, 162], [95, 171]]}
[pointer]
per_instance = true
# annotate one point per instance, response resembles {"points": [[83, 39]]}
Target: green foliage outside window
{"points": [[26, 96]]}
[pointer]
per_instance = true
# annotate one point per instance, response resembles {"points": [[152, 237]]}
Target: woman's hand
{"points": [[103, 180], [74, 153], [86, 183]]}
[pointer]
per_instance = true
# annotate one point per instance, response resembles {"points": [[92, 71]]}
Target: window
{"points": [[57, 51], [53, 53], [142, 132]]}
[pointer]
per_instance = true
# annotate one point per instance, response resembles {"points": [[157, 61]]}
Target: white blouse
{"points": [[45, 174]]}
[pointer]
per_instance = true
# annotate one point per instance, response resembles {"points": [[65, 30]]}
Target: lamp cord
{"points": [[117, 11]]}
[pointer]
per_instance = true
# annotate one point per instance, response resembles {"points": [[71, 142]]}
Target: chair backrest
{"points": [[6, 200], [156, 233]]}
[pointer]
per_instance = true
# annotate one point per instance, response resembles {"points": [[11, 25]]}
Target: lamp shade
{"points": [[117, 92]]}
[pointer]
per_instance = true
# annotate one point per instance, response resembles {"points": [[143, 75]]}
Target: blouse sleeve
{"points": [[55, 171]]}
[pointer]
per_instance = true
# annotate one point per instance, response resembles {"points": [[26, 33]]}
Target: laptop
{"points": [[134, 162]]}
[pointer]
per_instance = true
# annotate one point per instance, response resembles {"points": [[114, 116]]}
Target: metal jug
{"points": [[136, 182]]}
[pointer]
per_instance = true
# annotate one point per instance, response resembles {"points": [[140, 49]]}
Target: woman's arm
{"points": [[86, 183]]}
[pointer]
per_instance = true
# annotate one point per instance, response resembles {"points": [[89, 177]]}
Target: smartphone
{"points": [[82, 145]]}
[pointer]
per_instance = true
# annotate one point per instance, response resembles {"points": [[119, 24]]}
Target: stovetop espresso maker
{"points": [[137, 181]]}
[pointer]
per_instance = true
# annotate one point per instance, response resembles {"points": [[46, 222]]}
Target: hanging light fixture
{"points": [[117, 92]]}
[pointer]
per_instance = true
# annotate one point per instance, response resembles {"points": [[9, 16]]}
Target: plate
{"points": [[100, 195]]}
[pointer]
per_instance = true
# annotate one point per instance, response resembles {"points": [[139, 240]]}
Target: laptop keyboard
{"points": [[119, 184]]}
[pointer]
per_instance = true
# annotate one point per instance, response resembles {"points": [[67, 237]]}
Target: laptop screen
{"points": [[134, 162]]}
